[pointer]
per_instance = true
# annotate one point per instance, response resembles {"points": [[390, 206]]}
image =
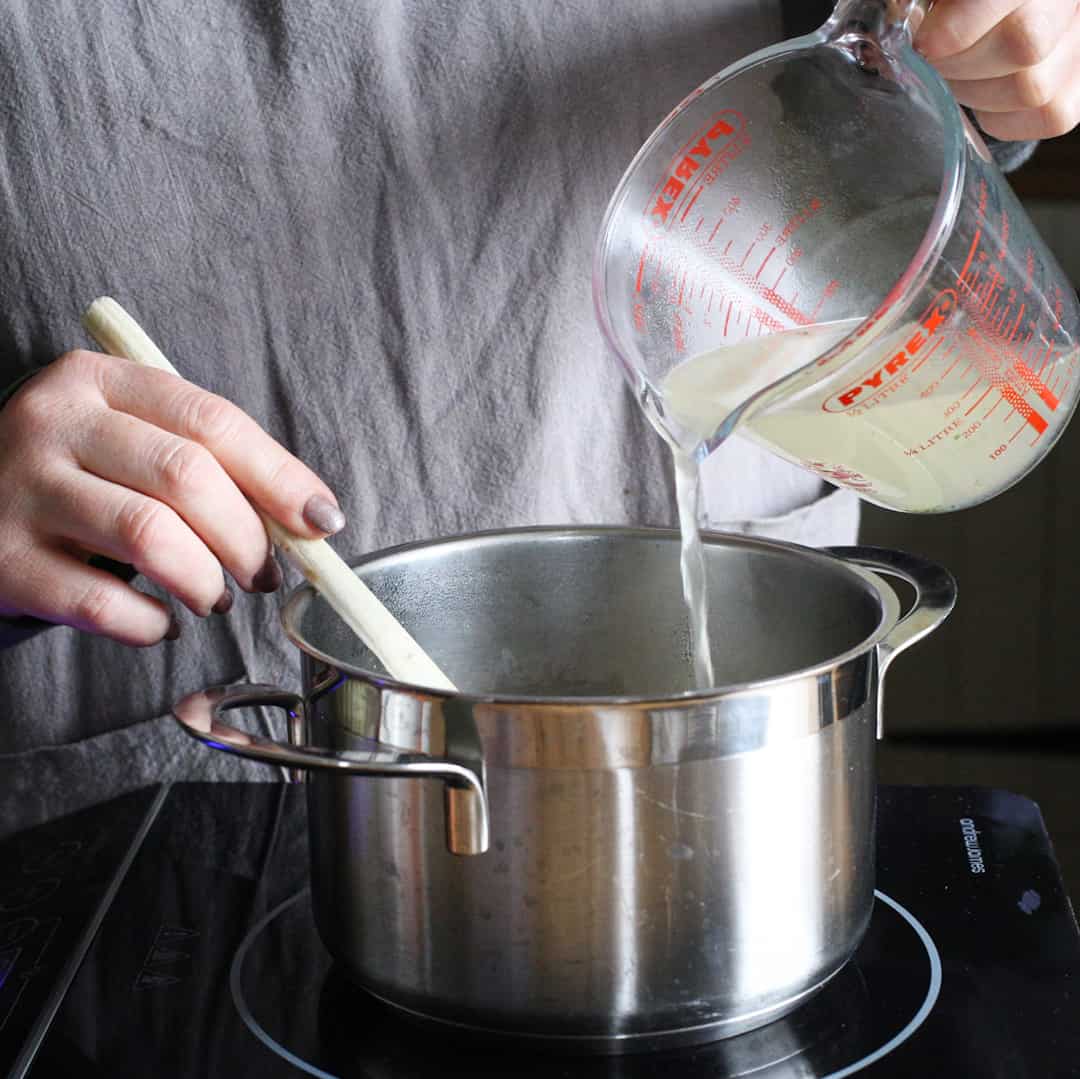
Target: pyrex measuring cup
{"points": [[816, 247]]}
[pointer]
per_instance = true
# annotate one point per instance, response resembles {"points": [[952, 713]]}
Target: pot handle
{"points": [[200, 714], [935, 597]]}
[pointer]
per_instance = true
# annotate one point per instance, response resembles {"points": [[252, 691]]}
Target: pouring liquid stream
{"points": [[702, 392], [692, 565]]}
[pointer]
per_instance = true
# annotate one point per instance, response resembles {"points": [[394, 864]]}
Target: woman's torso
{"points": [[371, 226]]}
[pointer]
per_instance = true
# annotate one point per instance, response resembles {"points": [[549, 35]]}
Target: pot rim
{"points": [[303, 594]]}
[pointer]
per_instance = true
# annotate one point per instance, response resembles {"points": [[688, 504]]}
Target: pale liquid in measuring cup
{"points": [[922, 439]]}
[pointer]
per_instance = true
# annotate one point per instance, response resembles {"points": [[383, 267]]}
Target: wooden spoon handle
{"points": [[120, 335]]}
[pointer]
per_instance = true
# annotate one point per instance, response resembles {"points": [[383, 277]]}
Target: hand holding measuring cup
{"points": [[816, 248], [1015, 62]]}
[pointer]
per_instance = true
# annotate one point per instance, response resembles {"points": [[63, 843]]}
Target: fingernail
{"points": [[174, 629], [322, 514], [224, 604], [268, 579]]}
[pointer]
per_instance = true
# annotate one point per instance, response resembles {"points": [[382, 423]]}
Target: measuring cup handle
{"points": [[882, 21], [201, 715], [935, 597]]}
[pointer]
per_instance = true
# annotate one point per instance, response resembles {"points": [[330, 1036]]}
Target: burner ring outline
{"points": [[932, 992]]}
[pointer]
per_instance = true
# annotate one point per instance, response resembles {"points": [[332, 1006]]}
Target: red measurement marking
{"points": [[991, 288], [727, 247], [979, 402], [776, 283], [1022, 407], [991, 412], [933, 348], [970, 388], [682, 286], [747, 255], [727, 317], [700, 222], [769, 295], [1010, 394], [641, 267], [716, 229], [1019, 430], [1046, 395], [1037, 384], [1016, 324], [711, 295], [951, 366], [659, 272], [970, 255], [763, 263], [693, 199], [1046, 359]]}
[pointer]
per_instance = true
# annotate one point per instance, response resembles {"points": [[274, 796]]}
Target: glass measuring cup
{"points": [[816, 247]]}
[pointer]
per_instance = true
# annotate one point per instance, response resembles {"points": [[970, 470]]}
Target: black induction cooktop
{"points": [[169, 933]]}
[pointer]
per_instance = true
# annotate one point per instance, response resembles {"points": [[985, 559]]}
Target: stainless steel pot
{"points": [[578, 846]]}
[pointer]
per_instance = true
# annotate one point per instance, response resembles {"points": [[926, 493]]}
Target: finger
{"points": [[953, 26], [1021, 39], [127, 526], [56, 586], [1057, 118], [264, 470], [1031, 88], [186, 476]]}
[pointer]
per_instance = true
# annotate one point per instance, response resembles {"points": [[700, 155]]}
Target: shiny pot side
{"points": [[669, 901]]}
